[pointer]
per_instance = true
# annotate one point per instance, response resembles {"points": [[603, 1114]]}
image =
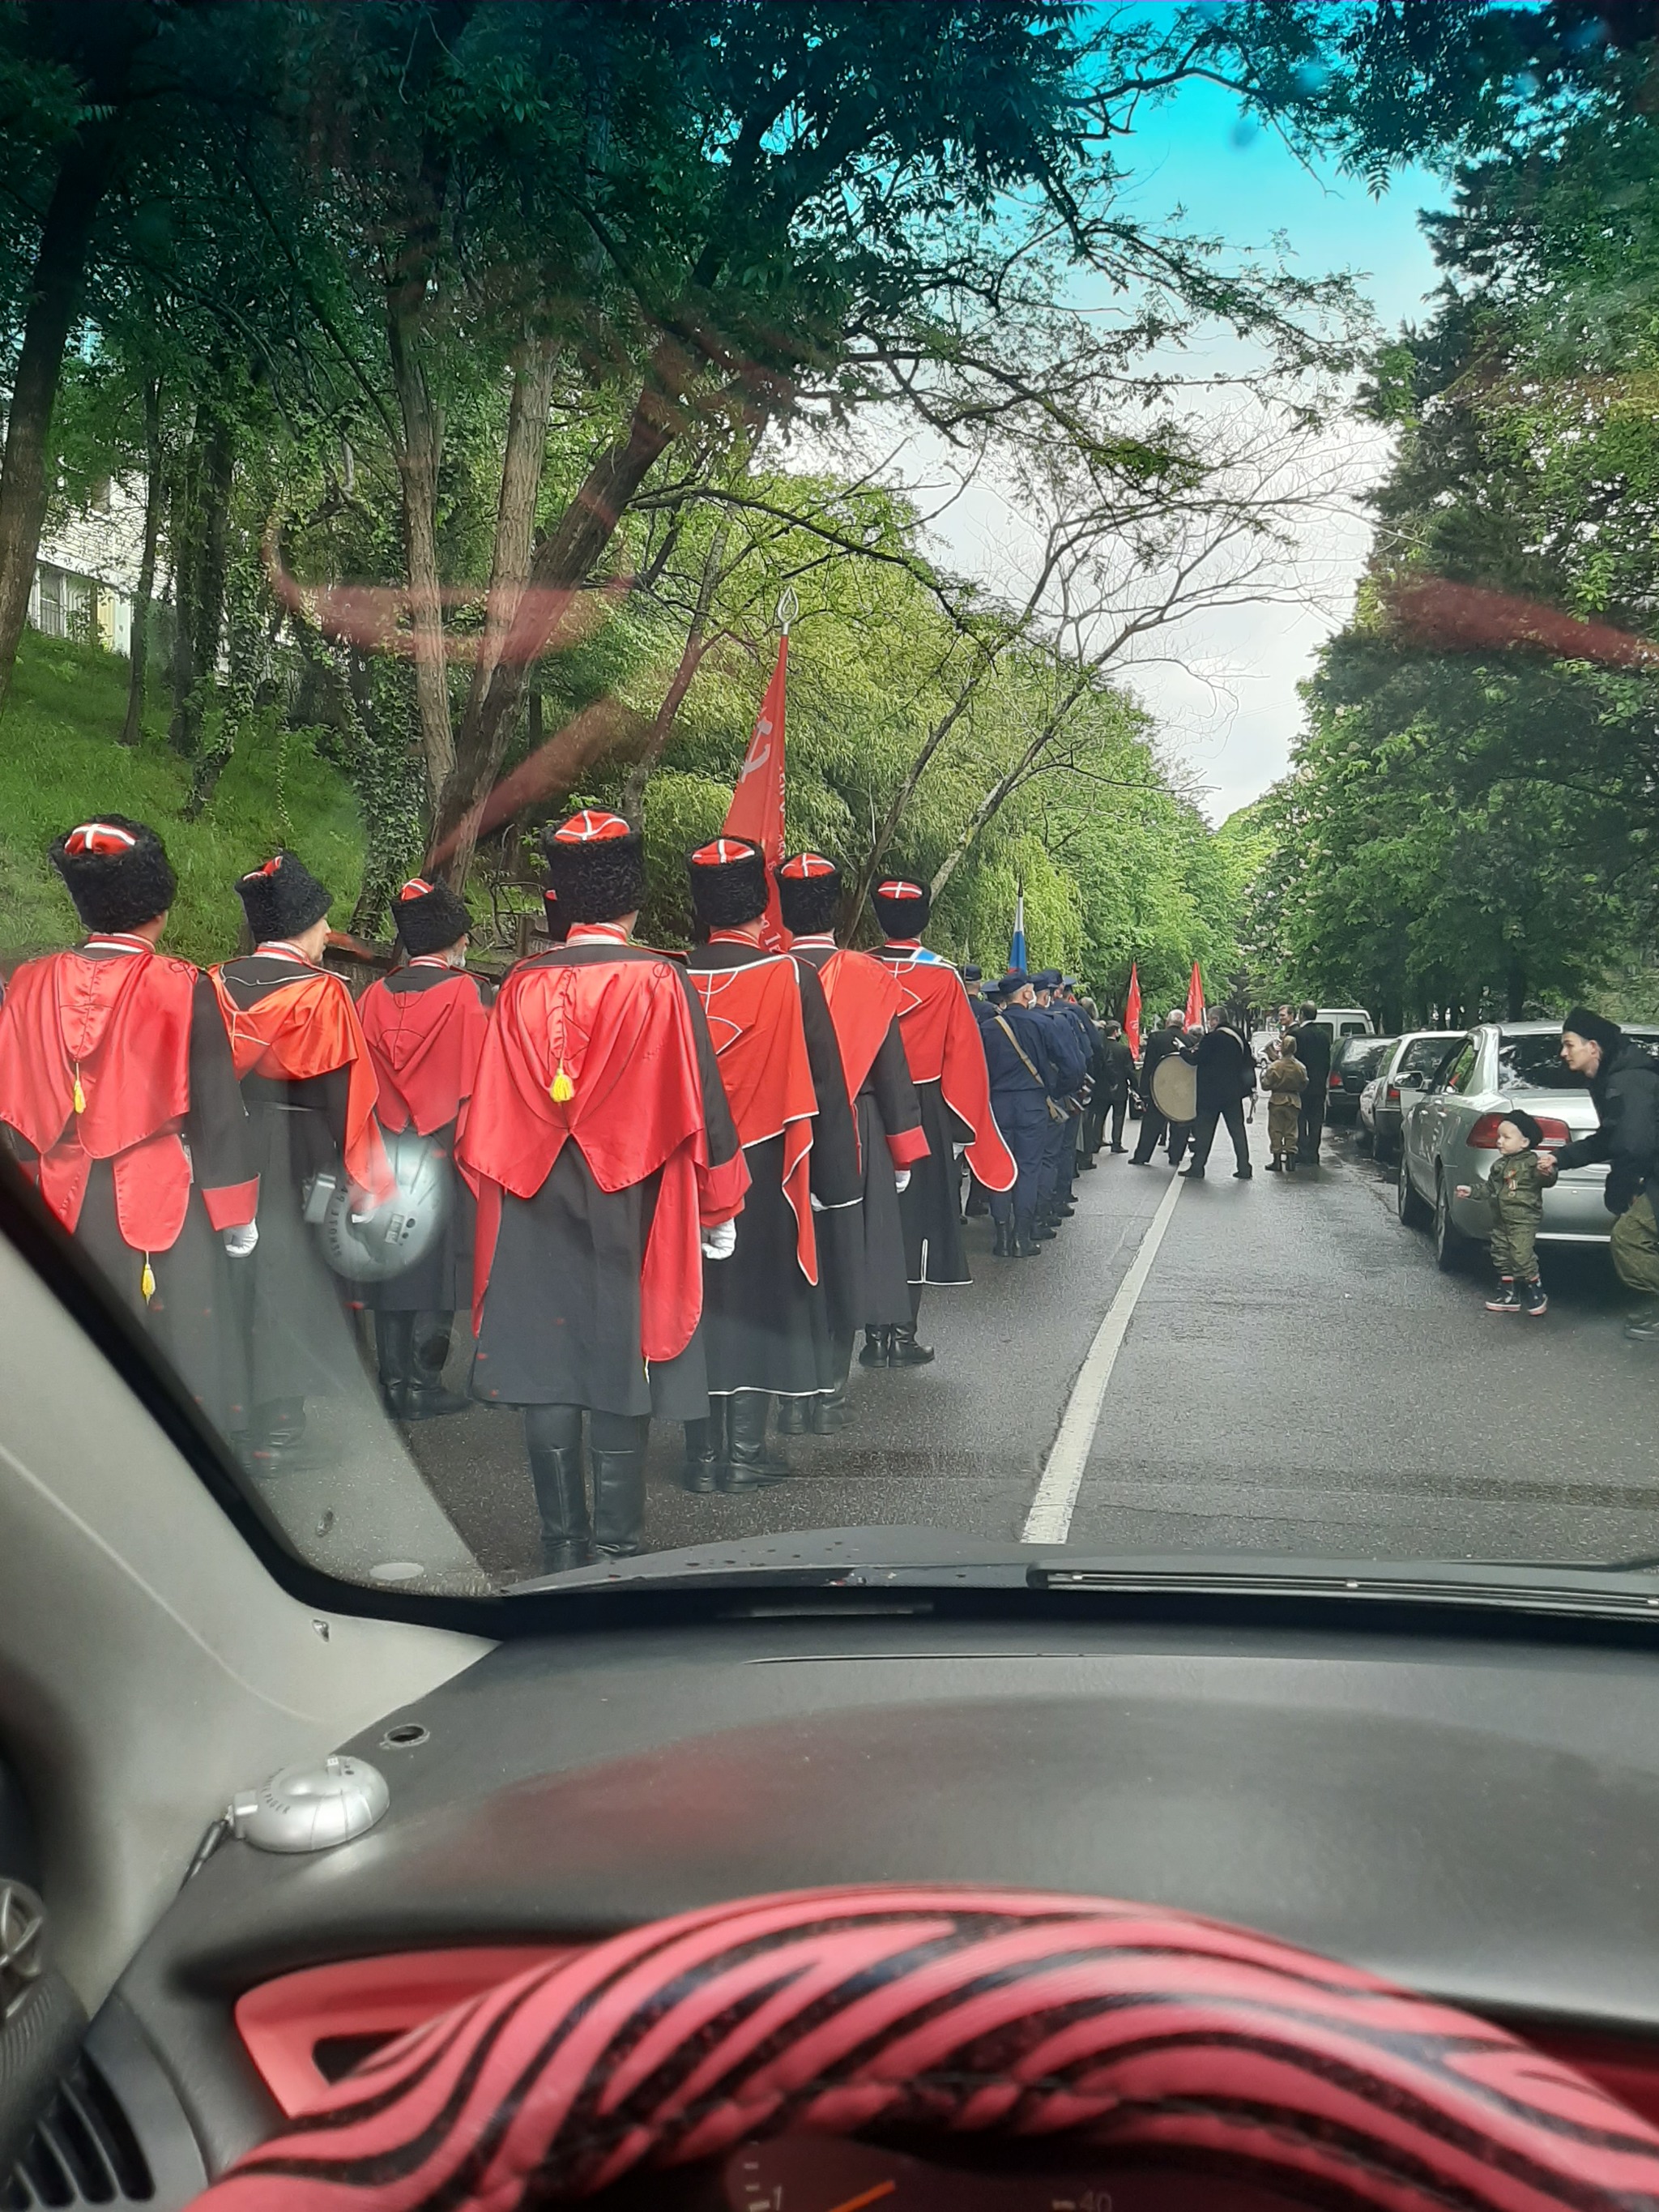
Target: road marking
{"points": [[1049, 1520]]}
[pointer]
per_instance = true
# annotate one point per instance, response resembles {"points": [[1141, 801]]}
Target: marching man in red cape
{"points": [[864, 998], [117, 1085], [767, 1319], [947, 1065], [606, 1169], [309, 1088], [424, 1025]]}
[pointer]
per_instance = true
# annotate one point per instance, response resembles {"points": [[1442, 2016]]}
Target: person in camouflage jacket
{"points": [[1512, 1198], [1283, 1079]]}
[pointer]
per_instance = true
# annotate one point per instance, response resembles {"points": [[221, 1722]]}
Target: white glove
{"points": [[817, 1203], [958, 1150], [238, 1242], [721, 1243], [901, 1178]]}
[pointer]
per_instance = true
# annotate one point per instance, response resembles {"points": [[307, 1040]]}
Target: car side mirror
{"points": [[1411, 1080]]}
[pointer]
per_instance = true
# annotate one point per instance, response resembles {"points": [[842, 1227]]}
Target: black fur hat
{"points": [[429, 917], [808, 894], [596, 865], [553, 915], [282, 898], [1594, 1028], [902, 906], [116, 871], [728, 883]]}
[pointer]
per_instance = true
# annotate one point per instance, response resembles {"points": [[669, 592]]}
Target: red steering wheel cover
{"points": [[962, 2011]]}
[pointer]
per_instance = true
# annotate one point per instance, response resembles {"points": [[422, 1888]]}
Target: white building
{"points": [[86, 572]]}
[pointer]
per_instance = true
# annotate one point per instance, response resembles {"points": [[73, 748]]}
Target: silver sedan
{"points": [[1449, 1134]]}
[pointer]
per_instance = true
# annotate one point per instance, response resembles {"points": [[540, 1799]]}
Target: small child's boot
{"points": [[1506, 1299], [1537, 1304]]}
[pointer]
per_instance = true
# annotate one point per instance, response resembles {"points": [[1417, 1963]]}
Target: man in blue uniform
{"points": [[1070, 1065], [1022, 1085]]}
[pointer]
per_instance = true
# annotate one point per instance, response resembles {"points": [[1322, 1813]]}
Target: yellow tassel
{"points": [[146, 1280], [561, 1087], [80, 1095]]}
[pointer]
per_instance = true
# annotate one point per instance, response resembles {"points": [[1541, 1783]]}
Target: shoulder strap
{"points": [[1019, 1050]]}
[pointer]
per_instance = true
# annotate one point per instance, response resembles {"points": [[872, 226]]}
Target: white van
{"points": [[1344, 1022]]}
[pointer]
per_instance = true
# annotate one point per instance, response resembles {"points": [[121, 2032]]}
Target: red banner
{"points": [[1132, 1011], [1195, 1001], [756, 808]]}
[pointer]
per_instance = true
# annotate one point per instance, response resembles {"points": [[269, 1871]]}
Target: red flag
{"points": [[756, 808], [1132, 1011], [1195, 1001]]}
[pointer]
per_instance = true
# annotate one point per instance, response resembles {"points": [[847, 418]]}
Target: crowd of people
{"points": [[638, 1185]]}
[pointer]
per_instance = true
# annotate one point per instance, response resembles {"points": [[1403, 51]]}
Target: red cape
{"points": [[755, 1022], [305, 1028], [119, 1026], [620, 1034], [424, 1047], [942, 1044], [864, 998]]}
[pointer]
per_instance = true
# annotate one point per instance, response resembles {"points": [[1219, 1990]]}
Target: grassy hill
{"points": [[60, 764]]}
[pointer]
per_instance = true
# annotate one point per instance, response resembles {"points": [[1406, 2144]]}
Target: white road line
{"points": [[1049, 1520]]}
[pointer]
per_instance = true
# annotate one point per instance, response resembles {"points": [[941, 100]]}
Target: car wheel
{"points": [[1451, 1246], [1412, 1210]]}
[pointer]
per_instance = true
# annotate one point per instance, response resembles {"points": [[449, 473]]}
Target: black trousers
{"points": [[1309, 1123], [1205, 1128], [1118, 1108], [1154, 1128]]}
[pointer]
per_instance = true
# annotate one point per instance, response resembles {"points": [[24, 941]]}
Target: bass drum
{"points": [[404, 1229], [1174, 1088]]}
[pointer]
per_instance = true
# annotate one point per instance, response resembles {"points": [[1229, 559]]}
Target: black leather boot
{"points": [[275, 1443], [705, 1448], [829, 1412], [749, 1465], [553, 1438], [618, 1502], [907, 1352], [878, 1348], [791, 1417], [394, 1355], [425, 1398], [1002, 1248]]}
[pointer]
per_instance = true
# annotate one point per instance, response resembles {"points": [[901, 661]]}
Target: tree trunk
{"points": [[417, 469], [138, 643], [696, 645], [208, 611], [183, 533], [54, 303], [515, 512], [1516, 986], [562, 563]]}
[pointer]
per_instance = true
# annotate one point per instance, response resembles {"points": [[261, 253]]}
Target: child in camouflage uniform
{"points": [[1283, 1079], [1512, 1198]]}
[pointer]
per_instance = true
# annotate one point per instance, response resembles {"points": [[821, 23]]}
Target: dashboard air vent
{"points": [[83, 2152]]}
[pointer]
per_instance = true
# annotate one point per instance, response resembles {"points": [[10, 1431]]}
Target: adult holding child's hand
{"points": [[1624, 1084]]}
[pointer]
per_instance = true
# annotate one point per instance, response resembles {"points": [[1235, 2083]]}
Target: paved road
{"points": [[1296, 1377]]}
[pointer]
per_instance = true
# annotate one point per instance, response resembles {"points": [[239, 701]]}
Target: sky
{"points": [[1224, 690]]}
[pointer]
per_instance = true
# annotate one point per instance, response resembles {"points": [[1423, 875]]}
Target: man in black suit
{"points": [[1313, 1049], [1153, 1125]]}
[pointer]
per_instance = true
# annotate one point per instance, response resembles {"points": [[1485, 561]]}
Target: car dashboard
{"points": [[1473, 1815]]}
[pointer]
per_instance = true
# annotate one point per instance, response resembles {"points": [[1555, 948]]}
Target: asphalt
{"points": [[1297, 1377]]}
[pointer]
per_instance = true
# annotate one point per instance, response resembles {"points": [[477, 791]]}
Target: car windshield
{"points": [[726, 732], [1532, 1061], [1425, 1055]]}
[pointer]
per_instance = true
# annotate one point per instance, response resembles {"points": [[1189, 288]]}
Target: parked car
{"points": [[1410, 1068], [1449, 1134], [1356, 1061], [1344, 1022]]}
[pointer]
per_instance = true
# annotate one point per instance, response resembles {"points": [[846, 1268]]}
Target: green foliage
{"points": [[60, 762]]}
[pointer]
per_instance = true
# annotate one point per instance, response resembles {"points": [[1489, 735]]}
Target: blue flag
{"points": [[1017, 948]]}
